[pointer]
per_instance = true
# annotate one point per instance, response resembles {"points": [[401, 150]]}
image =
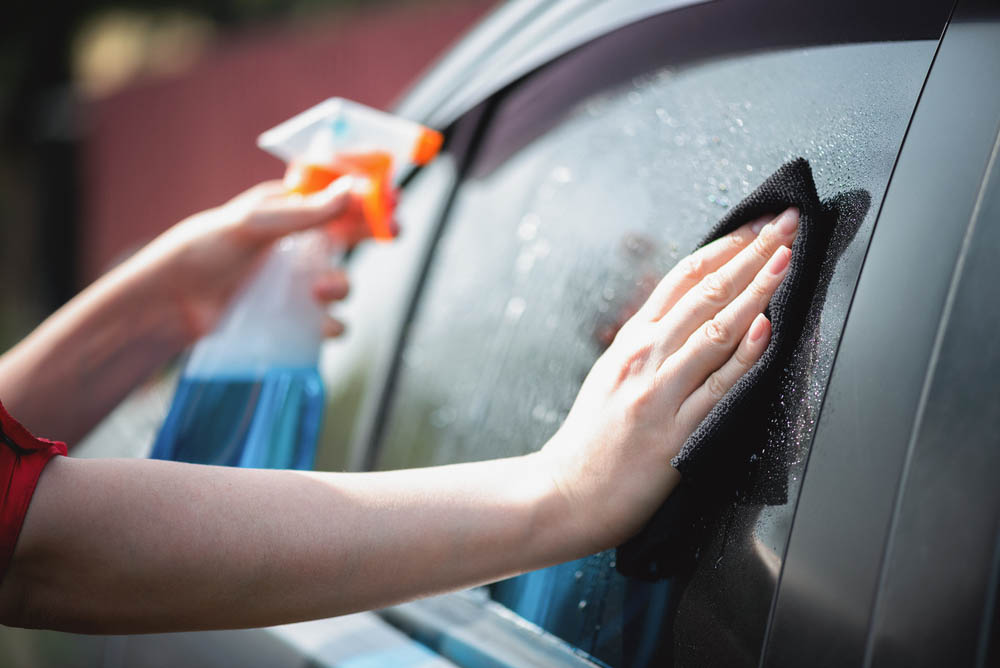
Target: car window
{"points": [[578, 201]]}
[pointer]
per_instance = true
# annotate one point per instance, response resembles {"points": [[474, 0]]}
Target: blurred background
{"points": [[118, 119]]}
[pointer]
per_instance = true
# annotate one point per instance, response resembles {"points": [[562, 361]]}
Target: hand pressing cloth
{"points": [[725, 454]]}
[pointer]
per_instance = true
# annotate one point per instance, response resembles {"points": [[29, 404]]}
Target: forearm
{"points": [[78, 364], [133, 545]]}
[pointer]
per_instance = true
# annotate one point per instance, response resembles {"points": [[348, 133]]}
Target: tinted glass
{"points": [[572, 211]]}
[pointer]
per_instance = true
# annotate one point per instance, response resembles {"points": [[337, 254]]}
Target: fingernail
{"points": [[788, 221], [779, 260], [758, 225], [757, 328]]}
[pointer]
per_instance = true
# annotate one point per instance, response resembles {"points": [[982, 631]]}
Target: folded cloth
{"points": [[725, 456]]}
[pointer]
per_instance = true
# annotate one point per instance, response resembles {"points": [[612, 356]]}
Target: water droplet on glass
{"points": [[515, 308], [638, 245], [443, 417], [541, 248], [524, 262], [528, 229], [562, 175]]}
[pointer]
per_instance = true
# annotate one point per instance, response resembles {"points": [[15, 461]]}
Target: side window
{"points": [[577, 203]]}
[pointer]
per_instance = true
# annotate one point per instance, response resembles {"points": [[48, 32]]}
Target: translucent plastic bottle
{"points": [[250, 395]]}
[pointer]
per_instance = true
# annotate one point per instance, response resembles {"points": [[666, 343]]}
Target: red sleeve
{"points": [[22, 458]]}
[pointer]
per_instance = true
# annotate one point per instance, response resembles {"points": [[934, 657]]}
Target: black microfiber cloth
{"points": [[724, 460]]}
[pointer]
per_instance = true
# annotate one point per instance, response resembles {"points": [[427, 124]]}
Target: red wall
{"points": [[162, 149]]}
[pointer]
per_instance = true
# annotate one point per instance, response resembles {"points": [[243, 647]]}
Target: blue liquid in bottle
{"points": [[250, 394], [266, 422]]}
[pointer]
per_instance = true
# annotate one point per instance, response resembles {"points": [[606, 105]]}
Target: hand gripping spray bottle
{"points": [[250, 394]]}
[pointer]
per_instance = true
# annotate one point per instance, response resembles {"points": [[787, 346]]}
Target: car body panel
{"points": [[942, 550], [870, 417]]}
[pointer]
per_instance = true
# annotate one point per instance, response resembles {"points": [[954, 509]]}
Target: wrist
{"points": [[604, 496], [168, 276], [561, 517]]}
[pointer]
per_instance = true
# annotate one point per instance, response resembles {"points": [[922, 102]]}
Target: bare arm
{"points": [[137, 545]]}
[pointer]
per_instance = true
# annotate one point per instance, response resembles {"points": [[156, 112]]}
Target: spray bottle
{"points": [[250, 394]]}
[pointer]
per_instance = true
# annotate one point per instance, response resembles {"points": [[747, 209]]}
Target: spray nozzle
{"points": [[339, 137]]}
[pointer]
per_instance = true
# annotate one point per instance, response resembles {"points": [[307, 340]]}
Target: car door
{"points": [[579, 185]]}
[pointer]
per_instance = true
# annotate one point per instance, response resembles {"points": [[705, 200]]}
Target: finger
{"points": [[689, 271], [332, 327], [707, 395], [331, 286], [712, 343], [293, 212], [714, 292], [262, 191]]}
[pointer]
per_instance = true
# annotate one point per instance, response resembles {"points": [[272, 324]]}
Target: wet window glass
{"points": [[572, 210]]}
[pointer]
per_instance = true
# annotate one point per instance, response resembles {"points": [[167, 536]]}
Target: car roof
{"points": [[524, 35], [512, 41]]}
